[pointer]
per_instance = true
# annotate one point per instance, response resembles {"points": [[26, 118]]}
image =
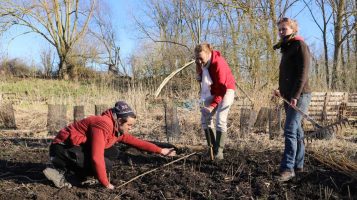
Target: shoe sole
{"points": [[51, 175], [285, 180]]}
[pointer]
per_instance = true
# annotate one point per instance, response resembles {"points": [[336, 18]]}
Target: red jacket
{"points": [[221, 76], [100, 132]]}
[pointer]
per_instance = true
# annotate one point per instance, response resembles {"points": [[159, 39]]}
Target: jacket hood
{"points": [[297, 38], [215, 54], [109, 113]]}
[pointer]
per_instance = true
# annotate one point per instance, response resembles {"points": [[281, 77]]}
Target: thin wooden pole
{"points": [[143, 174], [158, 90]]}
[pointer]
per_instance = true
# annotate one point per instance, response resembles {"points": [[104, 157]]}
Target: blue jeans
{"points": [[294, 152]]}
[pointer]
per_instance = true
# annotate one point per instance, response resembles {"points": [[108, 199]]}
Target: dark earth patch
{"points": [[244, 174]]}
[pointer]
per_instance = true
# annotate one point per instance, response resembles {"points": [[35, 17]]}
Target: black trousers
{"points": [[78, 158]]}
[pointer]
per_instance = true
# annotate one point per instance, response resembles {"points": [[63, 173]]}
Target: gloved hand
{"points": [[206, 110]]}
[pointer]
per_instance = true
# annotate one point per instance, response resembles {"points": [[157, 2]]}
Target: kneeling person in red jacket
{"points": [[87, 147]]}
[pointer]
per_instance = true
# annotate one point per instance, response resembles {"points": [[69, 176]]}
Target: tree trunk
{"points": [[327, 70], [337, 40], [272, 39], [62, 70], [348, 45], [72, 72], [343, 67], [355, 48], [234, 35]]}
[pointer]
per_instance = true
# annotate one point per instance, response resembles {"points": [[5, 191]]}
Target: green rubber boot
{"points": [[219, 145], [210, 138]]}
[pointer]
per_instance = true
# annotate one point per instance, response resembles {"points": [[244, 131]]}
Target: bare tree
{"points": [[326, 17], [106, 34], [338, 23], [232, 12], [244, 31], [341, 33], [167, 25], [61, 22], [47, 62], [348, 63]]}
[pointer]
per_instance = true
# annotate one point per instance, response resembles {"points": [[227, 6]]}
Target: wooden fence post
{"points": [[78, 113], [99, 109], [7, 116], [247, 118], [275, 128], [56, 118], [171, 121], [262, 120]]}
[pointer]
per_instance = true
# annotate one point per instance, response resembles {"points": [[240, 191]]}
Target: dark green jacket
{"points": [[294, 68]]}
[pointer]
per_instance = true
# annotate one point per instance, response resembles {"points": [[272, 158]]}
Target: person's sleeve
{"points": [[303, 67], [221, 74], [97, 151], [140, 144]]}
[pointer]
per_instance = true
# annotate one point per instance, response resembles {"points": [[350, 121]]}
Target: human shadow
{"points": [[22, 172]]}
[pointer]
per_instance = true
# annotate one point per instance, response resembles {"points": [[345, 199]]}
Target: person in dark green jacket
{"points": [[294, 87]]}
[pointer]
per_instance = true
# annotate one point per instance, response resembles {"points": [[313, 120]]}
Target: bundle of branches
{"points": [[337, 162]]}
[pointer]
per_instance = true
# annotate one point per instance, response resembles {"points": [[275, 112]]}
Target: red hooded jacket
{"points": [[221, 76], [100, 132]]}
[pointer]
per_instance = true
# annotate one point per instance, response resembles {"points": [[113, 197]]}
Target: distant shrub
{"points": [[85, 73], [18, 68]]}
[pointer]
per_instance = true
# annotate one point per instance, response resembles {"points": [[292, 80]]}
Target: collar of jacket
{"points": [[287, 40]]}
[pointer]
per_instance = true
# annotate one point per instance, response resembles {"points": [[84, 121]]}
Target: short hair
{"points": [[291, 22], [206, 47]]}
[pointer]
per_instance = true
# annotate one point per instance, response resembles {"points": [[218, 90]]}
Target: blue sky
{"points": [[28, 47]]}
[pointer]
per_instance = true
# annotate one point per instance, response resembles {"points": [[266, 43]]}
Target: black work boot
{"points": [[219, 145]]}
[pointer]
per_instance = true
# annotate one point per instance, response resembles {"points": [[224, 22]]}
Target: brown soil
{"points": [[244, 174]]}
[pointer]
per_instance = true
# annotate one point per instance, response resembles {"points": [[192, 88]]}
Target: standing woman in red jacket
{"points": [[87, 148], [217, 94]]}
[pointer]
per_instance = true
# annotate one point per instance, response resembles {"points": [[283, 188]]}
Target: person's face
{"points": [[127, 126], [285, 29], [202, 58]]}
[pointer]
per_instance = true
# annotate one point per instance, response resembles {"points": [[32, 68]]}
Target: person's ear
{"points": [[120, 121]]}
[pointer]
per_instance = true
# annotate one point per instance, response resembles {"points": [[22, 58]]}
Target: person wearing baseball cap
{"points": [[86, 147]]}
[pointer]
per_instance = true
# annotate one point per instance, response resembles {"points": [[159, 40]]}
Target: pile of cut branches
{"points": [[337, 162]]}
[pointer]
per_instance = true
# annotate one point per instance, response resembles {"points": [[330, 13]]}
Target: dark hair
{"points": [[125, 118]]}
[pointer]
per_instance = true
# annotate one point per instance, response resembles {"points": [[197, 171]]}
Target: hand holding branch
{"points": [[168, 152]]}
